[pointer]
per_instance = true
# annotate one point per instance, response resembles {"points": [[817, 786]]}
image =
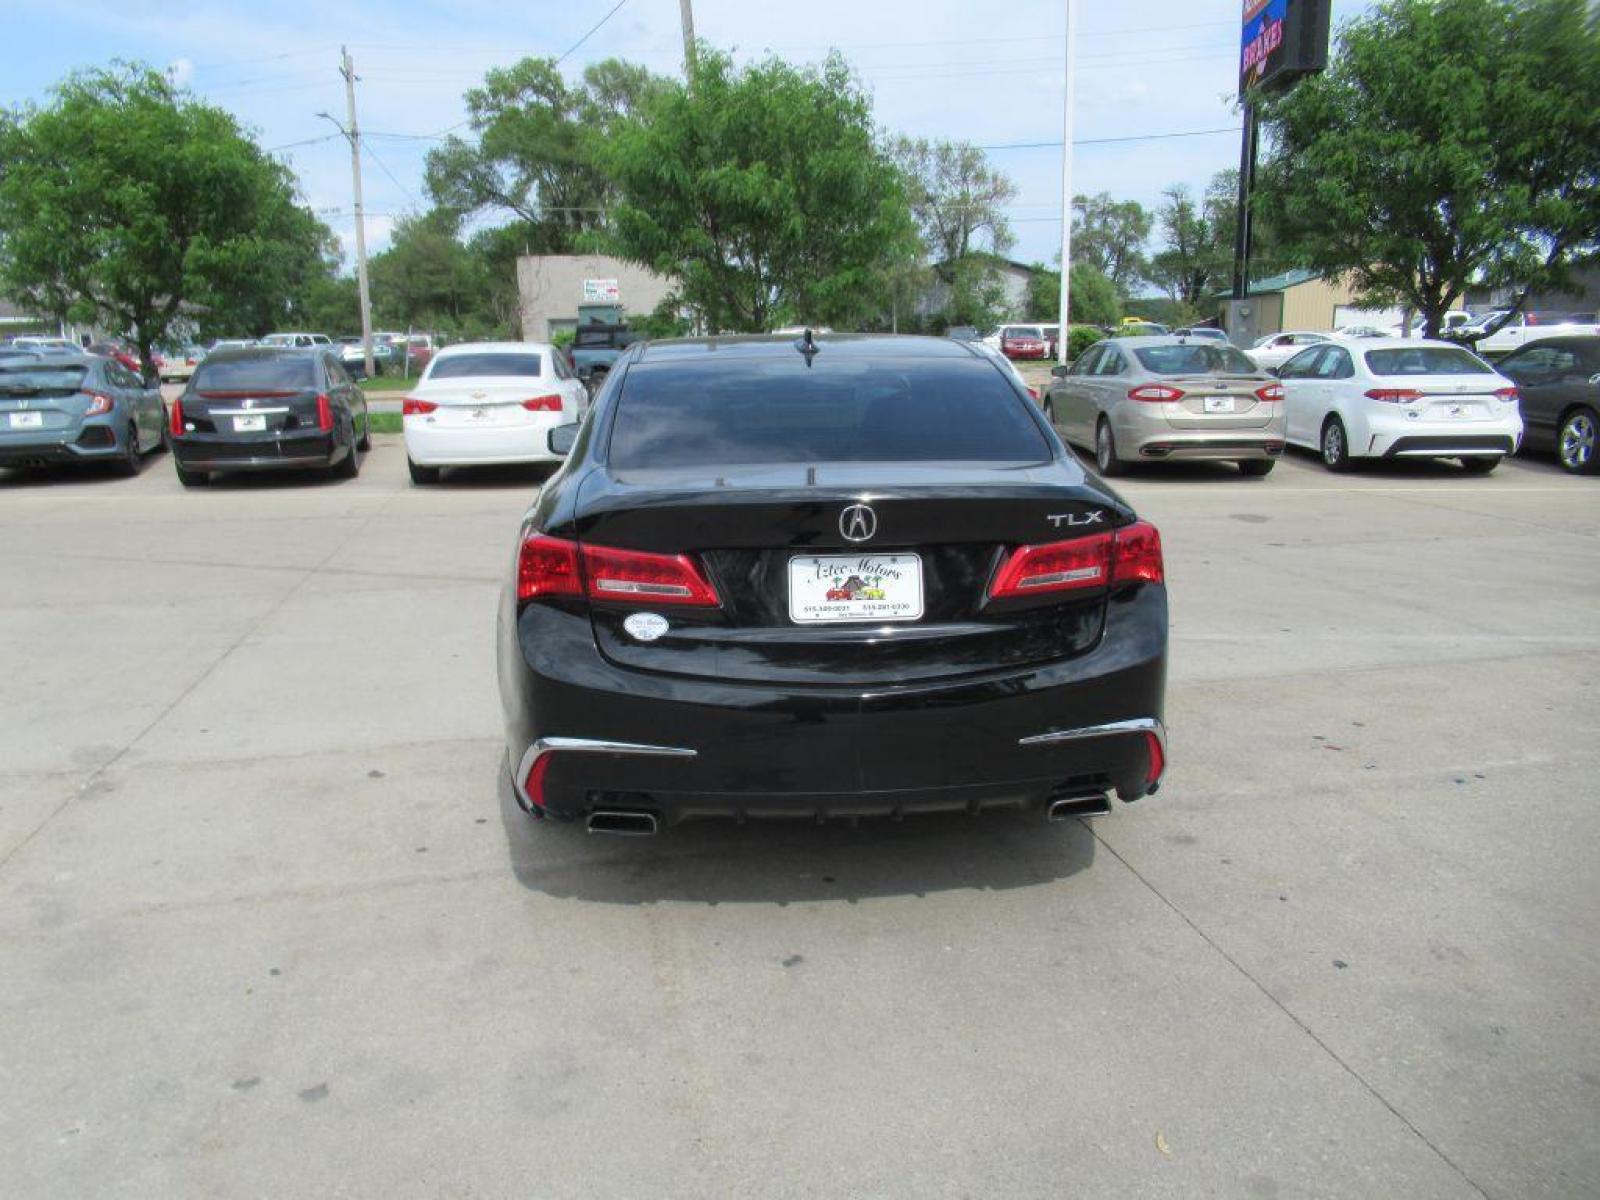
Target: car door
{"points": [[1071, 397], [344, 393], [1301, 412], [1110, 388], [1549, 380], [130, 391]]}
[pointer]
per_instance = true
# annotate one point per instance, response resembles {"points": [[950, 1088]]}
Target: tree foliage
{"points": [[762, 190], [1449, 143], [1092, 300], [1110, 236], [956, 198], [1196, 257], [128, 204]]}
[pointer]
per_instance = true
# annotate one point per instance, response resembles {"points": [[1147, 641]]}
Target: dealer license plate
{"points": [[1219, 404], [855, 587], [27, 420], [250, 424]]}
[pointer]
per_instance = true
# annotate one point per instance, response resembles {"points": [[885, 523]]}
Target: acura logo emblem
{"points": [[858, 523]]}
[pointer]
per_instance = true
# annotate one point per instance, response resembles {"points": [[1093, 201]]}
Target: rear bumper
{"points": [[445, 446], [1398, 435], [702, 747], [94, 440], [1443, 446], [216, 452], [1230, 447]]}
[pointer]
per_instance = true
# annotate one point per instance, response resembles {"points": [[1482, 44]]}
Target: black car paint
{"points": [[1545, 399], [804, 720], [292, 438]]}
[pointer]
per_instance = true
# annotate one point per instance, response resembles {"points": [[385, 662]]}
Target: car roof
{"points": [[770, 347], [249, 353], [1400, 343]]}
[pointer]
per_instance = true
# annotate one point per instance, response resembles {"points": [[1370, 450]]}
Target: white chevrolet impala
{"points": [[483, 403]]}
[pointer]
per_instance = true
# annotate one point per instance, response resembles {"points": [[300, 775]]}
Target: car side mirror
{"points": [[1595, 379], [1060, 370], [562, 438], [586, 372]]}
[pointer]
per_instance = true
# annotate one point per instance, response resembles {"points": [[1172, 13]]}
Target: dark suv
{"points": [[269, 407]]}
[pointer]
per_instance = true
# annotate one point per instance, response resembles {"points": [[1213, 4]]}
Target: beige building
{"points": [[1306, 300], [552, 286]]}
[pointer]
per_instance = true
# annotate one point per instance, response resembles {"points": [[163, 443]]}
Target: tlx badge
{"points": [[1095, 517]]}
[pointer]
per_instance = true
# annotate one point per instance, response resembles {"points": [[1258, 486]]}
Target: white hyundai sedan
{"points": [[484, 403], [1399, 398]]}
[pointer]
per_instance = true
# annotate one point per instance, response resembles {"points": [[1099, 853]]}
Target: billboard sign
{"points": [[1282, 40], [601, 291]]}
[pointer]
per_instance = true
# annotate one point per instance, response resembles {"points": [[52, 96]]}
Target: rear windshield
{"points": [[1426, 360], [33, 379], [1195, 359], [854, 410], [289, 373], [477, 366]]}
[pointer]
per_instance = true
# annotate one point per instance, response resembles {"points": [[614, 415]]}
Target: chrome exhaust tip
{"points": [[1069, 807], [626, 824]]}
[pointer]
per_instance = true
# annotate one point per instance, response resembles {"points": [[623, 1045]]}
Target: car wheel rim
{"points": [[1577, 441], [1332, 445], [1102, 447]]}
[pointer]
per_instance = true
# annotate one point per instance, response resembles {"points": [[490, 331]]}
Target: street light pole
{"points": [[1070, 80], [686, 13], [347, 69]]}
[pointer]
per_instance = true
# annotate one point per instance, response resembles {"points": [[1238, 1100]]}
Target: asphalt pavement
{"points": [[270, 924]]}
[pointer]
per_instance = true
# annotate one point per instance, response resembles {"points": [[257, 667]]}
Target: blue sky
{"points": [[984, 72]]}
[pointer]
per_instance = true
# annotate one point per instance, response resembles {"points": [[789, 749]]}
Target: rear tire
{"points": [[1050, 413], [1576, 442], [1105, 451], [189, 478], [131, 461], [1479, 466], [422, 476], [1257, 466], [1335, 445], [349, 466], [365, 443]]}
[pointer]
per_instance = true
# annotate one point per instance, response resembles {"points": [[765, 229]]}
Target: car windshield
{"points": [[276, 373], [21, 378], [475, 366], [1194, 359], [850, 410], [1426, 360]]}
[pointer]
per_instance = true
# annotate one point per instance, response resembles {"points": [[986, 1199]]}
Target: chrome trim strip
{"points": [[1110, 729], [241, 412], [549, 745]]}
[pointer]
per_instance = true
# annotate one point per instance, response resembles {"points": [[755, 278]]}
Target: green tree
{"points": [[1449, 143], [1093, 299], [1110, 235], [956, 197], [129, 204], [762, 190], [535, 154], [427, 279], [1196, 258]]}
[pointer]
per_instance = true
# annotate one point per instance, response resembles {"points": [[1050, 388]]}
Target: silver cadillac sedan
{"points": [[1157, 399]]}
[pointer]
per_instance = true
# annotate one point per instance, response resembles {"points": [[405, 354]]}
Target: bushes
{"points": [[1080, 338]]}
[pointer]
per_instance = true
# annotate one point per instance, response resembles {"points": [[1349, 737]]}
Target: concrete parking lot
{"points": [[270, 926]]}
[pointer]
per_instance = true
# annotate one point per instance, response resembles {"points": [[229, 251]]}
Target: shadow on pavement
{"points": [[715, 862]]}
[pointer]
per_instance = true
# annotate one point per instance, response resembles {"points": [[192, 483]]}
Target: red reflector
{"points": [[547, 566], [1158, 760], [533, 786], [1054, 567], [1394, 395], [613, 574], [543, 404], [99, 403], [177, 417], [1156, 393], [412, 407], [324, 414], [1273, 391], [1137, 555]]}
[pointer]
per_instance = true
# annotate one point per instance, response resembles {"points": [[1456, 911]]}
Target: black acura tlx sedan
{"points": [[832, 576]]}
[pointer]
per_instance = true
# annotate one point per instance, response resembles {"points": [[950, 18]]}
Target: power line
{"points": [[1133, 137], [328, 137], [392, 179], [591, 32]]}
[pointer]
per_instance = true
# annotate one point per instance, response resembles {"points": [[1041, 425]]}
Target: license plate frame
{"points": [[1218, 404], [815, 581], [25, 420], [250, 423]]}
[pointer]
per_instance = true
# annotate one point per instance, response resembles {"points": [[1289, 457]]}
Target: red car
{"points": [[1022, 345]]}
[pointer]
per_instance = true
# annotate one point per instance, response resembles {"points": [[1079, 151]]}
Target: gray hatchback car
{"points": [[1157, 399], [77, 408]]}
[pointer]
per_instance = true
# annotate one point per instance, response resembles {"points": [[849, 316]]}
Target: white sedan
{"points": [[1276, 349], [483, 403], [1399, 398]]}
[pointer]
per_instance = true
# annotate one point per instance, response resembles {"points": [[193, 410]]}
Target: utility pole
{"points": [[1066, 176], [348, 70], [1242, 232], [686, 12]]}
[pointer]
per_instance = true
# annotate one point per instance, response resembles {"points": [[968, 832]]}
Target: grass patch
{"points": [[385, 422], [388, 383]]}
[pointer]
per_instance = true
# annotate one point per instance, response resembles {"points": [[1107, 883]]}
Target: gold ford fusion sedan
{"points": [[1157, 399]]}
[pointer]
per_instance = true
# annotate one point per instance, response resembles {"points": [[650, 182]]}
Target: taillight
{"points": [[549, 566], [412, 407], [1158, 760], [1129, 555], [324, 414], [1394, 395], [1155, 393], [1273, 391], [543, 404], [1507, 395], [177, 417], [99, 404], [612, 574], [533, 785]]}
